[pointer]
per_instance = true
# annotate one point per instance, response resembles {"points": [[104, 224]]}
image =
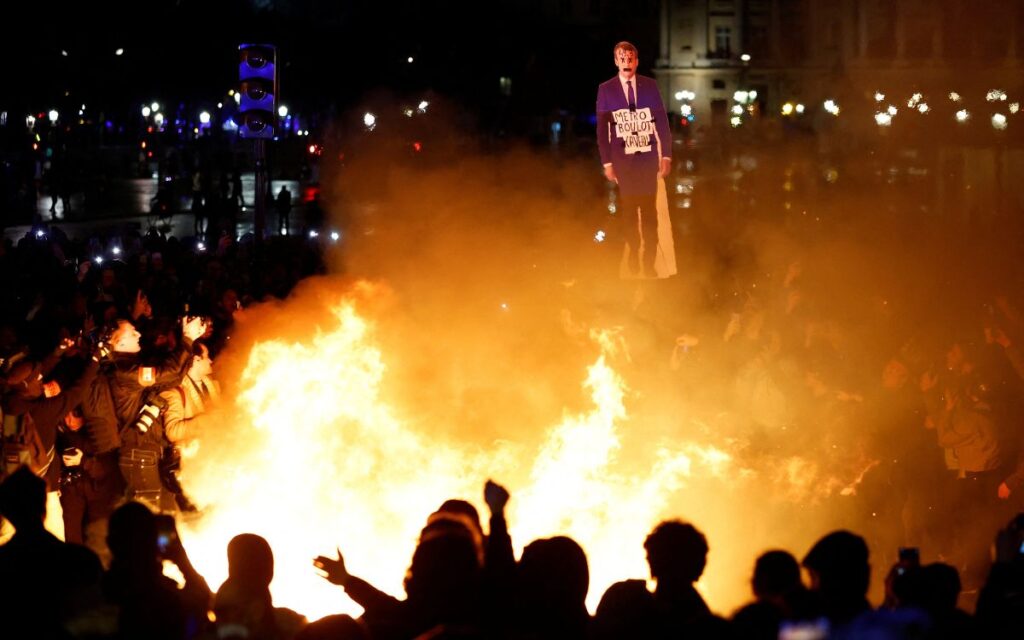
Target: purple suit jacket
{"points": [[626, 139]]}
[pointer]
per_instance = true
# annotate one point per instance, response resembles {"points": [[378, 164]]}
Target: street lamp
{"points": [[146, 111], [282, 111], [53, 115], [204, 118]]}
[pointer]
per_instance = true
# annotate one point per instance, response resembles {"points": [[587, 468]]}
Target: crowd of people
{"points": [[465, 583]]}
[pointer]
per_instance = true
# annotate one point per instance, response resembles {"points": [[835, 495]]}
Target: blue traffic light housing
{"points": [[257, 87]]}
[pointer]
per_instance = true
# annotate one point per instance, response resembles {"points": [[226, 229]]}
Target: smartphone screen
{"points": [[817, 630], [166, 531], [910, 555]]}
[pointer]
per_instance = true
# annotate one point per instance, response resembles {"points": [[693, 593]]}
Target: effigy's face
{"points": [[626, 61]]}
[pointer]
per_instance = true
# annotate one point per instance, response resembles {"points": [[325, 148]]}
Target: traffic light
{"points": [[257, 86]]}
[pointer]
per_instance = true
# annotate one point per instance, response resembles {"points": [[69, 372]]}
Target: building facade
{"points": [[807, 51]]}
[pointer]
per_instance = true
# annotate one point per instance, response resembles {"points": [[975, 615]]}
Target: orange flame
{"points": [[311, 457]]}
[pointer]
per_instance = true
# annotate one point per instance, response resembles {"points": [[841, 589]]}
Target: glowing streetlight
{"points": [[154, 107], [1014, 107], [30, 121], [737, 109], [119, 51], [599, 236], [422, 106], [146, 111], [787, 109], [204, 118], [892, 110], [745, 57], [735, 121], [158, 119], [954, 96], [282, 111], [53, 115], [962, 115], [800, 108], [923, 108], [335, 235], [832, 107], [879, 96], [883, 119], [998, 121], [409, 59], [369, 120]]}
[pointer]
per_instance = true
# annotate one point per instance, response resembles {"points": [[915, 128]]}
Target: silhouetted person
{"points": [[553, 583], [150, 604], [936, 590], [243, 604], [626, 610], [43, 581], [1000, 610], [677, 554], [840, 573], [283, 206], [236, 188], [198, 206], [442, 585], [60, 185], [780, 596]]}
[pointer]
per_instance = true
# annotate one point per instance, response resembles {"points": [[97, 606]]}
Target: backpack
{"points": [[22, 446]]}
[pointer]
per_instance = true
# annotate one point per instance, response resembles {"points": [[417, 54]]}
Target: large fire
{"points": [[307, 454]]}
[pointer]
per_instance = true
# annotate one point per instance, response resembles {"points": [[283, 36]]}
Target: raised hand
{"points": [[193, 328], [141, 307], [496, 496], [332, 570]]}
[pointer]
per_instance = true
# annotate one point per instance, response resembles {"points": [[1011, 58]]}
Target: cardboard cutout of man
{"points": [[635, 143]]}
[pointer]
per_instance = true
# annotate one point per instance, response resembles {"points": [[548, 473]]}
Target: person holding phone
{"points": [[150, 604]]}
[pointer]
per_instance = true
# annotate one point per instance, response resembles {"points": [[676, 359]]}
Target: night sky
{"points": [[331, 53]]}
